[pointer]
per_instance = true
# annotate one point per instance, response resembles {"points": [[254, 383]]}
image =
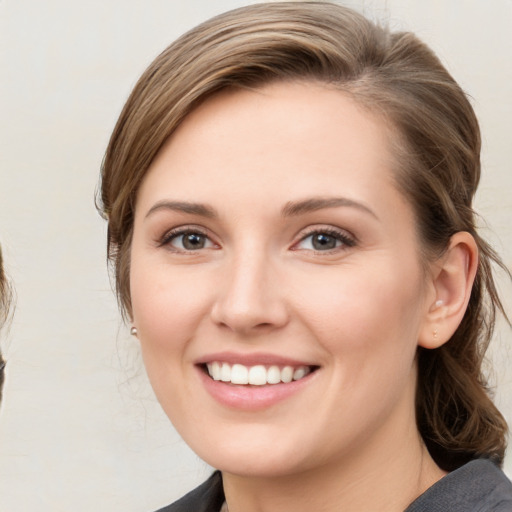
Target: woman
{"points": [[288, 191]]}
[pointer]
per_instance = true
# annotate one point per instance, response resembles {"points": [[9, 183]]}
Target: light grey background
{"points": [[79, 427]]}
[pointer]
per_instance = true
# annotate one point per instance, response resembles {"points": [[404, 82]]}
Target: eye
{"points": [[325, 240], [186, 240]]}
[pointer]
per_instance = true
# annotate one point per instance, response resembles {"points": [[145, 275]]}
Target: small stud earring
{"points": [[435, 334], [133, 331], [439, 303]]}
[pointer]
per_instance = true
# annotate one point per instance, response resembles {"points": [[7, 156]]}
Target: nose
{"points": [[250, 299]]}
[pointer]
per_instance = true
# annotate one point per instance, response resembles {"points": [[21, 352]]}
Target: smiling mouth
{"points": [[258, 375]]}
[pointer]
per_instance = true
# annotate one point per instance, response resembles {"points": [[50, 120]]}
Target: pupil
{"points": [[193, 241], [323, 242]]}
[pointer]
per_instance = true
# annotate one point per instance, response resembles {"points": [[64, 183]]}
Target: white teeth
{"points": [[299, 373], [287, 374], [274, 375], [257, 375], [225, 372], [239, 374], [215, 370]]}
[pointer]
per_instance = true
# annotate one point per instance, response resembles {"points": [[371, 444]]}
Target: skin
{"points": [[258, 286]]}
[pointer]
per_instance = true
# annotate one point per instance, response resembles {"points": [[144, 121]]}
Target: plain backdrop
{"points": [[79, 427]]}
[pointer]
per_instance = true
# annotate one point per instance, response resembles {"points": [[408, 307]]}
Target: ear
{"points": [[452, 277]]}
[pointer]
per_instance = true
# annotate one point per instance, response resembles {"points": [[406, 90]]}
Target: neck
{"points": [[380, 476]]}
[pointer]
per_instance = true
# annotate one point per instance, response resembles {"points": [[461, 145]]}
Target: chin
{"points": [[240, 456], [259, 467]]}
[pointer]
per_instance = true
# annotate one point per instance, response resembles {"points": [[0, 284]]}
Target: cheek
{"points": [[166, 307], [364, 310], [166, 311]]}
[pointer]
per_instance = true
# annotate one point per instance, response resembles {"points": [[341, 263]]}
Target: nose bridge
{"points": [[249, 297]]}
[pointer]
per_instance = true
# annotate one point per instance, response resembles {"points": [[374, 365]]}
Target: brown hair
{"points": [[438, 147], [5, 293], [5, 303]]}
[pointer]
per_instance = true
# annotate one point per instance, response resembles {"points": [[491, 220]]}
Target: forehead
{"points": [[282, 141]]}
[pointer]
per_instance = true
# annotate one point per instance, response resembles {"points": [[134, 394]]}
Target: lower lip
{"points": [[252, 398]]}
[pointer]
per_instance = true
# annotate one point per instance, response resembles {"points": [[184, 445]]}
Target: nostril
{"points": [[263, 325], [248, 304]]}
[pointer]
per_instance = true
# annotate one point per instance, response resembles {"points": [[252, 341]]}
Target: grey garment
{"points": [[208, 497], [478, 486]]}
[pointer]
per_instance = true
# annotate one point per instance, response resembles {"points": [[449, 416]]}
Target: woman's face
{"points": [[271, 244]]}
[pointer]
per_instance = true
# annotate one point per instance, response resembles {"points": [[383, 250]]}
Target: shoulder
{"points": [[208, 497], [478, 486]]}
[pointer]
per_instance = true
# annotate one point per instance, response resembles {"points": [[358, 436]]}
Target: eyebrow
{"points": [[291, 209], [200, 209], [294, 208]]}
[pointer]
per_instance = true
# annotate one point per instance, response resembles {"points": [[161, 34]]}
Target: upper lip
{"points": [[251, 359]]}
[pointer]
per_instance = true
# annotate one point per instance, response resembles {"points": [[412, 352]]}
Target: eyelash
{"points": [[345, 240], [175, 233]]}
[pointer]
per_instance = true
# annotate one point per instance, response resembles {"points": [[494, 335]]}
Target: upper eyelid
{"points": [[311, 230], [301, 235], [347, 238], [182, 230], [186, 228]]}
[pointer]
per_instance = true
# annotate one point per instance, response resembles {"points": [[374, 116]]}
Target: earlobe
{"points": [[452, 279]]}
